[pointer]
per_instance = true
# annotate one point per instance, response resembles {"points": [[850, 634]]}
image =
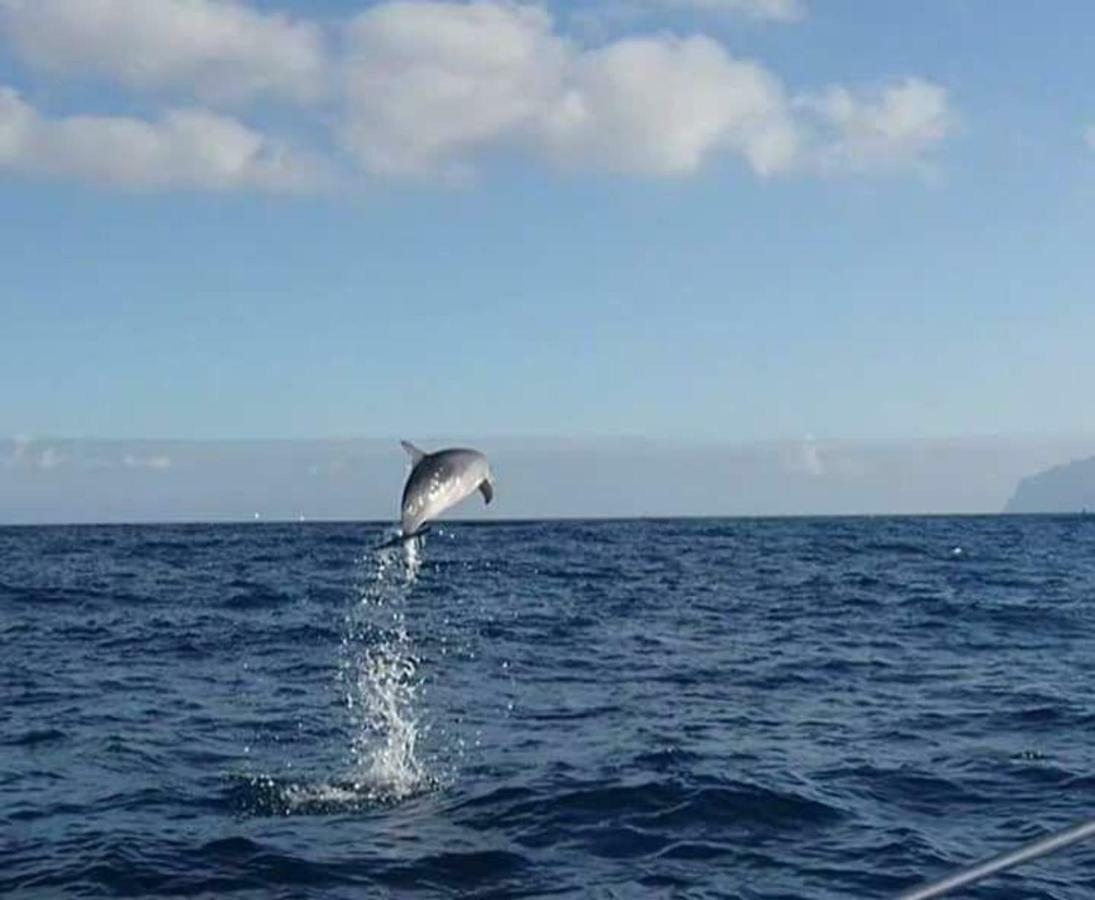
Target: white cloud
{"points": [[892, 126], [430, 89], [429, 85], [805, 458], [218, 49], [428, 82], [24, 455], [664, 105], [433, 86], [182, 149], [49, 458]]}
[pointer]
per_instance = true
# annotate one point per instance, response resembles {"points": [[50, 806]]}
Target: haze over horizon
{"points": [[847, 232], [73, 481]]}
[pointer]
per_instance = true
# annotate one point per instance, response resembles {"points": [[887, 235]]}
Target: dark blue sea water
{"points": [[743, 708]]}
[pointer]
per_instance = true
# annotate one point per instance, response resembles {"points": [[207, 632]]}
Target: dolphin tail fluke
{"points": [[412, 451], [487, 490], [402, 539]]}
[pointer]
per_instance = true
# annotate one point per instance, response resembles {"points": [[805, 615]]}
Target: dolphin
{"points": [[437, 481]]}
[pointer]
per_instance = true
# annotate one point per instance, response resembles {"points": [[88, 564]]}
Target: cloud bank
{"points": [[431, 87], [432, 90], [110, 481]]}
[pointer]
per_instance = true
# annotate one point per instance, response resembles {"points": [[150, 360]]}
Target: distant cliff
{"points": [[1068, 488]]}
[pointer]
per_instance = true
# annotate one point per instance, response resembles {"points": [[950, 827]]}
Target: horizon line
{"points": [[526, 520]]}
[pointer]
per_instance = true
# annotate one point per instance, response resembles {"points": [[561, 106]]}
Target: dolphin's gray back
{"points": [[440, 480]]}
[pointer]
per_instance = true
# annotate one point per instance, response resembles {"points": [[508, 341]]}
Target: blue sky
{"points": [[876, 221]]}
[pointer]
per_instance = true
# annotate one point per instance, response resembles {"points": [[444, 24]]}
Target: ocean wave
{"points": [[800, 709]]}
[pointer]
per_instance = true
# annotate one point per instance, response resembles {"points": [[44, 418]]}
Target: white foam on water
{"points": [[266, 795], [304, 797]]}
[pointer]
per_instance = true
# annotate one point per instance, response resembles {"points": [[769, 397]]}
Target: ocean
{"points": [[768, 708]]}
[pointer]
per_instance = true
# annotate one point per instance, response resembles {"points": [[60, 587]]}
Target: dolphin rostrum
{"points": [[440, 480]]}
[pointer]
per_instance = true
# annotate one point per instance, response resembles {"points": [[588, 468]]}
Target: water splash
{"points": [[381, 679], [265, 795], [412, 560]]}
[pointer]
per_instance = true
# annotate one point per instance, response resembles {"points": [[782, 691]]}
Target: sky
{"points": [[688, 220]]}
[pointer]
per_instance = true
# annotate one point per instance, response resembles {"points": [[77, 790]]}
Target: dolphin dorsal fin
{"points": [[412, 451]]}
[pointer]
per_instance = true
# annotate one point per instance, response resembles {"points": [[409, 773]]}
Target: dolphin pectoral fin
{"points": [[487, 490], [412, 451]]}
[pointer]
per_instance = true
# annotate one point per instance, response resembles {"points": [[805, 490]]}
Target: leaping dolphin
{"points": [[437, 481]]}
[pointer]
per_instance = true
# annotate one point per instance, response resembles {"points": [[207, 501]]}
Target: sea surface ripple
{"points": [[795, 708]]}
